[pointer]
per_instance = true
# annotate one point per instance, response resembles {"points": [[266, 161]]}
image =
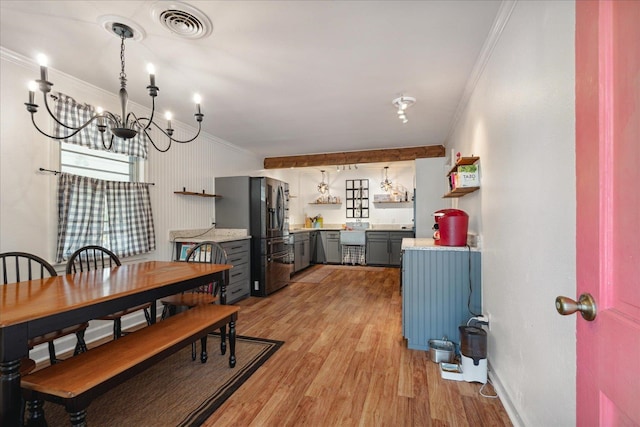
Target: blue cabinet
{"points": [[435, 293]]}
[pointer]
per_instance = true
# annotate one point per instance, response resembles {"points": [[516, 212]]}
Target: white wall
{"points": [[303, 185], [520, 121]]}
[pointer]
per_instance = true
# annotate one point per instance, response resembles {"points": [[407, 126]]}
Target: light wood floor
{"points": [[344, 361]]}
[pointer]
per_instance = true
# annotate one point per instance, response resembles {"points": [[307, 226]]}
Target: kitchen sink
{"points": [[354, 234], [353, 237]]}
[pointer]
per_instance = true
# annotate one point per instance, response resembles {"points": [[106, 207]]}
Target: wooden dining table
{"points": [[35, 307]]}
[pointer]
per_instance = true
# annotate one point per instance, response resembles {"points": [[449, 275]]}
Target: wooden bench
{"points": [[75, 382]]}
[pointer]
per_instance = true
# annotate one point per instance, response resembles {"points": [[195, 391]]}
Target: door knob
{"points": [[586, 305]]}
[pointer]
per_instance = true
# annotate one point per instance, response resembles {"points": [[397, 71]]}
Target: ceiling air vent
{"points": [[182, 20]]}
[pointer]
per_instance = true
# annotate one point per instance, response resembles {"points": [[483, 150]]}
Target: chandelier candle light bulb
{"points": [[152, 74], [168, 116], [197, 99], [32, 91], [43, 62]]}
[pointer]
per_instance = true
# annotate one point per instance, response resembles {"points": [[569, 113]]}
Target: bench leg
{"points": [[232, 344], [36, 413], [52, 353], [117, 329], [203, 352], [79, 418], [81, 345], [223, 340]]}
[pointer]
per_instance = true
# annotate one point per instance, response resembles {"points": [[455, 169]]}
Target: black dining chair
{"points": [[23, 266], [204, 252], [94, 257]]}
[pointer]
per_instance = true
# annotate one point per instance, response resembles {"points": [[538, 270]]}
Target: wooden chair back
{"points": [[92, 257], [211, 253], [19, 266]]}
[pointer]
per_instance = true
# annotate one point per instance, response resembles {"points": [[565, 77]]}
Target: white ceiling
{"points": [[277, 77]]}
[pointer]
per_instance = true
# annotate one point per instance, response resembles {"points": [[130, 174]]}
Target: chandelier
{"points": [[386, 185], [323, 187], [402, 104], [126, 126]]}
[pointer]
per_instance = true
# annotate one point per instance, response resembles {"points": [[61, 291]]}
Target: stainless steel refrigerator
{"points": [[260, 205]]}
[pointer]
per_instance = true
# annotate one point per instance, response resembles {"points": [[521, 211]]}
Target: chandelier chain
{"points": [[123, 75]]}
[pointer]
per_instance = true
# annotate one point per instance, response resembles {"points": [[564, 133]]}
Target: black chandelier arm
{"points": [[153, 111], [53, 116], [140, 121], [192, 139], [103, 143], [172, 138], [77, 130], [154, 144], [107, 115]]}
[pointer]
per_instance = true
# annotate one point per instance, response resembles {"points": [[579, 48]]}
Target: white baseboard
{"points": [[504, 398]]}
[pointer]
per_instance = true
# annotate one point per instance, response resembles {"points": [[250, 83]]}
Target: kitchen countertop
{"points": [[428, 244], [338, 227], [201, 235]]}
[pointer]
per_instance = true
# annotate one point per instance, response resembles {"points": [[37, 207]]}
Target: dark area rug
{"points": [[176, 391]]}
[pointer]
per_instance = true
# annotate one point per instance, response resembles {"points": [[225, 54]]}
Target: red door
{"points": [[608, 210]]}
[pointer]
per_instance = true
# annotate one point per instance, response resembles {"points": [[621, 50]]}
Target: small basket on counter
{"points": [[442, 350]]}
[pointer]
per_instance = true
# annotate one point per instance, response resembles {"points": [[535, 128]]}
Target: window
{"points": [[101, 199], [105, 165], [83, 161]]}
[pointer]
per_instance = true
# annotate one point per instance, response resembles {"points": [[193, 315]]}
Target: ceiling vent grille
{"points": [[182, 20]]}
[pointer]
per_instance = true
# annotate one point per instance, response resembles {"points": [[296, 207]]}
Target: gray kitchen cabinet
{"points": [[377, 251], [313, 246], [239, 255], [383, 247], [440, 290], [328, 250], [302, 251], [333, 251]]}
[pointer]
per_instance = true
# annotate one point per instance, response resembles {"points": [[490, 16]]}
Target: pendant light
{"points": [[323, 187], [386, 185]]}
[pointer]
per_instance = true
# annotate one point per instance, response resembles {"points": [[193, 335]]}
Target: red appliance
{"points": [[451, 227]]}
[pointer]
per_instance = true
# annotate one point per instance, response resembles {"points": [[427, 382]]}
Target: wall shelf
{"points": [[463, 161], [390, 202], [461, 191], [335, 204], [191, 193]]}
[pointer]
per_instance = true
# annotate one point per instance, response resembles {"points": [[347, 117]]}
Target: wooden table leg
{"points": [[232, 343], [10, 395]]}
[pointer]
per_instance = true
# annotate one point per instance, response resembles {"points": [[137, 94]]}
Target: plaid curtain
{"points": [[113, 214], [353, 254], [71, 113]]}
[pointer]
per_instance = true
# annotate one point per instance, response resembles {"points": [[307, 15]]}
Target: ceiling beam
{"points": [[355, 157]]}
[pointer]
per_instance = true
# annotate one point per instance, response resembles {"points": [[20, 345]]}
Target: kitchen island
{"points": [[441, 290]]}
